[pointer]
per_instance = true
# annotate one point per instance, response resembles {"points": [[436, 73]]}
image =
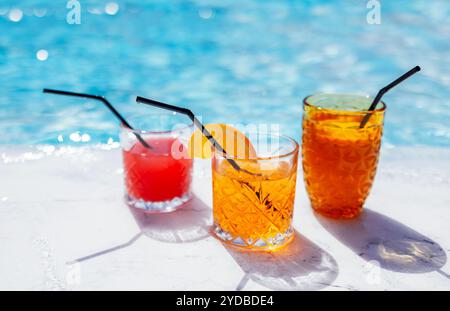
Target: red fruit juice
{"points": [[155, 175]]}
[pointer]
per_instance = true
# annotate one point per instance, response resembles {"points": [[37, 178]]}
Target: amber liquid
{"points": [[339, 161], [257, 210]]}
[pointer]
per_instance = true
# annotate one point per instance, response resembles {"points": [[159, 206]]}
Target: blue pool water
{"points": [[229, 61]]}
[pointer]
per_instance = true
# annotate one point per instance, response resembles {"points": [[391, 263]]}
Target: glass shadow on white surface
{"points": [[396, 247], [300, 265], [189, 223]]}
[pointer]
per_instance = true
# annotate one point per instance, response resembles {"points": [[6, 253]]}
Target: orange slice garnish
{"points": [[235, 143]]}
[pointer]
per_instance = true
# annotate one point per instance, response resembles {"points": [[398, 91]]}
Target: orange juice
{"points": [[255, 211], [339, 158]]}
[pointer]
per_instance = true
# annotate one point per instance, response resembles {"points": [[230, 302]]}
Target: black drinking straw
{"points": [[107, 104], [197, 123], [385, 90]]}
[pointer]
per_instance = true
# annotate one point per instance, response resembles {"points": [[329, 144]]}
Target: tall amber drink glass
{"points": [[340, 158], [253, 205]]}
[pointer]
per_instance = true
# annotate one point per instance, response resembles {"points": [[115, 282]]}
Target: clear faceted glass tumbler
{"points": [[157, 173], [253, 205]]}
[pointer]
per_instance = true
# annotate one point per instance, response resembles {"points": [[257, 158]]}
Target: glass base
{"points": [[339, 213], [280, 240], [157, 207]]}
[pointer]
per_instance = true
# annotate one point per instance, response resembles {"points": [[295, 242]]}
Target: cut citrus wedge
{"points": [[235, 143]]}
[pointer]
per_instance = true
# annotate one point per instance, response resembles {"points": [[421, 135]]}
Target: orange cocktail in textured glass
{"points": [[253, 207], [339, 157]]}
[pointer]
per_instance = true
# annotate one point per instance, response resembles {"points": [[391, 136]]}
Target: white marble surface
{"points": [[64, 226]]}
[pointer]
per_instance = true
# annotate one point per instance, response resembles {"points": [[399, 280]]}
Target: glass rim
{"points": [[292, 141], [365, 111], [189, 125]]}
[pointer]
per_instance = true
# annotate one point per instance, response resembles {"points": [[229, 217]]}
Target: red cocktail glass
{"points": [[157, 179]]}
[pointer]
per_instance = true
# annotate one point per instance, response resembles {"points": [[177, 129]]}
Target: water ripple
{"points": [[230, 61]]}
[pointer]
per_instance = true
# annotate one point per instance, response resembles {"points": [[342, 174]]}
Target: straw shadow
{"points": [[107, 251], [301, 265], [188, 224], [395, 246]]}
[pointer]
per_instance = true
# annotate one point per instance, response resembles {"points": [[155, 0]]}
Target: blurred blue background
{"points": [[229, 61]]}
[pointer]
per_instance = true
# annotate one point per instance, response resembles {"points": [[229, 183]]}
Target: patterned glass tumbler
{"points": [[253, 205], [340, 158], [158, 172]]}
